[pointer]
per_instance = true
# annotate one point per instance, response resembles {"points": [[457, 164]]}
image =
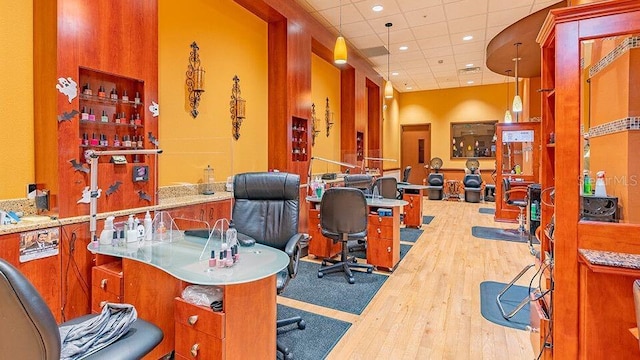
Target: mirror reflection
{"points": [[610, 168], [473, 139]]}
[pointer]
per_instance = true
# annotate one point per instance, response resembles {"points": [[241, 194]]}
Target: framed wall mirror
{"points": [[473, 139]]}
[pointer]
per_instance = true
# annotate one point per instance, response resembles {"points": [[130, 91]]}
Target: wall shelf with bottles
{"points": [[359, 146], [299, 142], [111, 112]]}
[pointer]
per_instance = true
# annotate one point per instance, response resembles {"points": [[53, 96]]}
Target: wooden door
{"points": [[415, 150]]}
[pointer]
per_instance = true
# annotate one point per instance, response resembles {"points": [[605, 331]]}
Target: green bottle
{"points": [[586, 186]]}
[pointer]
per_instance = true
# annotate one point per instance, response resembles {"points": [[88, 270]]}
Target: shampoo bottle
{"points": [[586, 186], [148, 227]]}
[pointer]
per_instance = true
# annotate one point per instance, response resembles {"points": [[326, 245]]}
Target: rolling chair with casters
{"points": [[521, 204], [266, 210], [29, 330], [404, 181], [359, 181], [343, 217]]}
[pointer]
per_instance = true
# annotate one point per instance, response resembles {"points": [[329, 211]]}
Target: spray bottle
{"points": [[601, 189]]}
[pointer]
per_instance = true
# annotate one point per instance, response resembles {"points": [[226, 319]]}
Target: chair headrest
{"points": [[266, 186]]}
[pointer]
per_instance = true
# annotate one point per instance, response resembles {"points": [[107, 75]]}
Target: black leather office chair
{"points": [[405, 181], [266, 209], [521, 204], [343, 217], [435, 184], [29, 330], [472, 188], [359, 181], [386, 186]]}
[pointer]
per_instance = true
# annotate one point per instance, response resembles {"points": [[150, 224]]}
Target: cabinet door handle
{"points": [[192, 319], [103, 284], [194, 349], [389, 249], [103, 303], [210, 213], [201, 214], [379, 219]]}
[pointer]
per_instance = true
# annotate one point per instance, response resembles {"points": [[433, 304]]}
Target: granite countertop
{"points": [[42, 222], [609, 258]]}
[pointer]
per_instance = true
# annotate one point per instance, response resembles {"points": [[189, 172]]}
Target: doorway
{"points": [[415, 150]]}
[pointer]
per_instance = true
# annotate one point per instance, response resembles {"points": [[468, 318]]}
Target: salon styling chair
{"points": [[472, 188], [521, 204], [29, 330], [435, 184], [266, 209], [343, 217]]}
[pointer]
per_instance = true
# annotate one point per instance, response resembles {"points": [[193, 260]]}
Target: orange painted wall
{"points": [[191, 144], [325, 82], [16, 107]]}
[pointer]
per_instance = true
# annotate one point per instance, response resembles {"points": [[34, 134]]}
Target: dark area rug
{"points": [[333, 290], [489, 307], [317, 339], [500, 234], [490, 211], [410, 234], [426, 219], [361, 254]]}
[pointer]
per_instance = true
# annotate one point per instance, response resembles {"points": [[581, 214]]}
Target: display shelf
{"points": [[299, 142]]}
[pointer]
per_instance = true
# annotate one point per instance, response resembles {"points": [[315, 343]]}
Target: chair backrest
{"points": [[29, 330], [358, 181], [343, 211], [472, 180], [405, 175], [435, 179], [266, 206], [506, 186], [636, 298], [387, 187]]}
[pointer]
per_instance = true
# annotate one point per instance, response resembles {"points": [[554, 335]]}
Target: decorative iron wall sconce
{"points": [[314, 126], [328, 117], [237, 108], [195, 79]]}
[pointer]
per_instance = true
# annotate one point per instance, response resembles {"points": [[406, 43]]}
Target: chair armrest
{"points": [[292, 249]]}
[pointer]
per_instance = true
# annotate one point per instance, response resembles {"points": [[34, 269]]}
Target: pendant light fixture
{"points": [[340, 50], [388, 87], [517, 101], [507, 113]]}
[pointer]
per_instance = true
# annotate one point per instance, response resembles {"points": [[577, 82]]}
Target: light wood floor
{"points": [[429, 308]]}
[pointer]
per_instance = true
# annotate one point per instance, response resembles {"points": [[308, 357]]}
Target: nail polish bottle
{"points": [[92, 116], [127, 142], [125, 97], [228, 258], [94, 140], [212, 260], [104, 117], [233, 254], [114, 94], [137, 98], [132, 121], [221, 260], [87, 90], [103, 140], [140, 141], [116, 141], [84, 115], [101, 92], [237, 255], [138, 121], [85, 139]]}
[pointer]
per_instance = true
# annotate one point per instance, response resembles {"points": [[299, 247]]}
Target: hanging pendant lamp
{"points": [[517, 101], [507, 113], [388, 87], [340, 49]]}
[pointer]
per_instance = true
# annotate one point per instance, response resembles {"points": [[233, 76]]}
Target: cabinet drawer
{"points": [[99, 297], [376, 232], [193, 344], [380, 220], [199, 318], [108, 277]]}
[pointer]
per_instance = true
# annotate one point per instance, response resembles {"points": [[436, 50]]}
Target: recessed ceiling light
{"points": [[403, 48], [469, 65], [409, 87], [377, 8], [467, 38], [470, 82], [394, 73]]}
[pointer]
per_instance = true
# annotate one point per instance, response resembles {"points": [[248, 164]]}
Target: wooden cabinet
{"points": [[383, 240], [320, 246], [590, 306], [200, 332], [107, 285], [413, 210]]}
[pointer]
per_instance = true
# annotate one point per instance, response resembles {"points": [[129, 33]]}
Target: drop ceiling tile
{"points": [[357, 29], [411, 44], [507, 17], [398, 37], [498, 5], [414, 64], [390, 8], [430, 30], [424, 72], [349, 15], [410, 5], [323, 4], [367, 41], [469, 47], [478, 36], [465, 8], [435, 42], [438, 52], [493, 31], [469, 24], [539, 5], [397, 20], [425, 16]]}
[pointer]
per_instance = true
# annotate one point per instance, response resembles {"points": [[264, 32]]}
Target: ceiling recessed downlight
{"points": [[467, 38], [395, 73], [377, 8], [403, 48], [409, 87], [469, 65], [470, 82]]}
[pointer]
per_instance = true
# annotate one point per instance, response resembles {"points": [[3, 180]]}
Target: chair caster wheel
{"points": [[324, 263], [369, 270], [320, 274], [302, 324], [288, 356], [354, 260], [352, 280]]}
